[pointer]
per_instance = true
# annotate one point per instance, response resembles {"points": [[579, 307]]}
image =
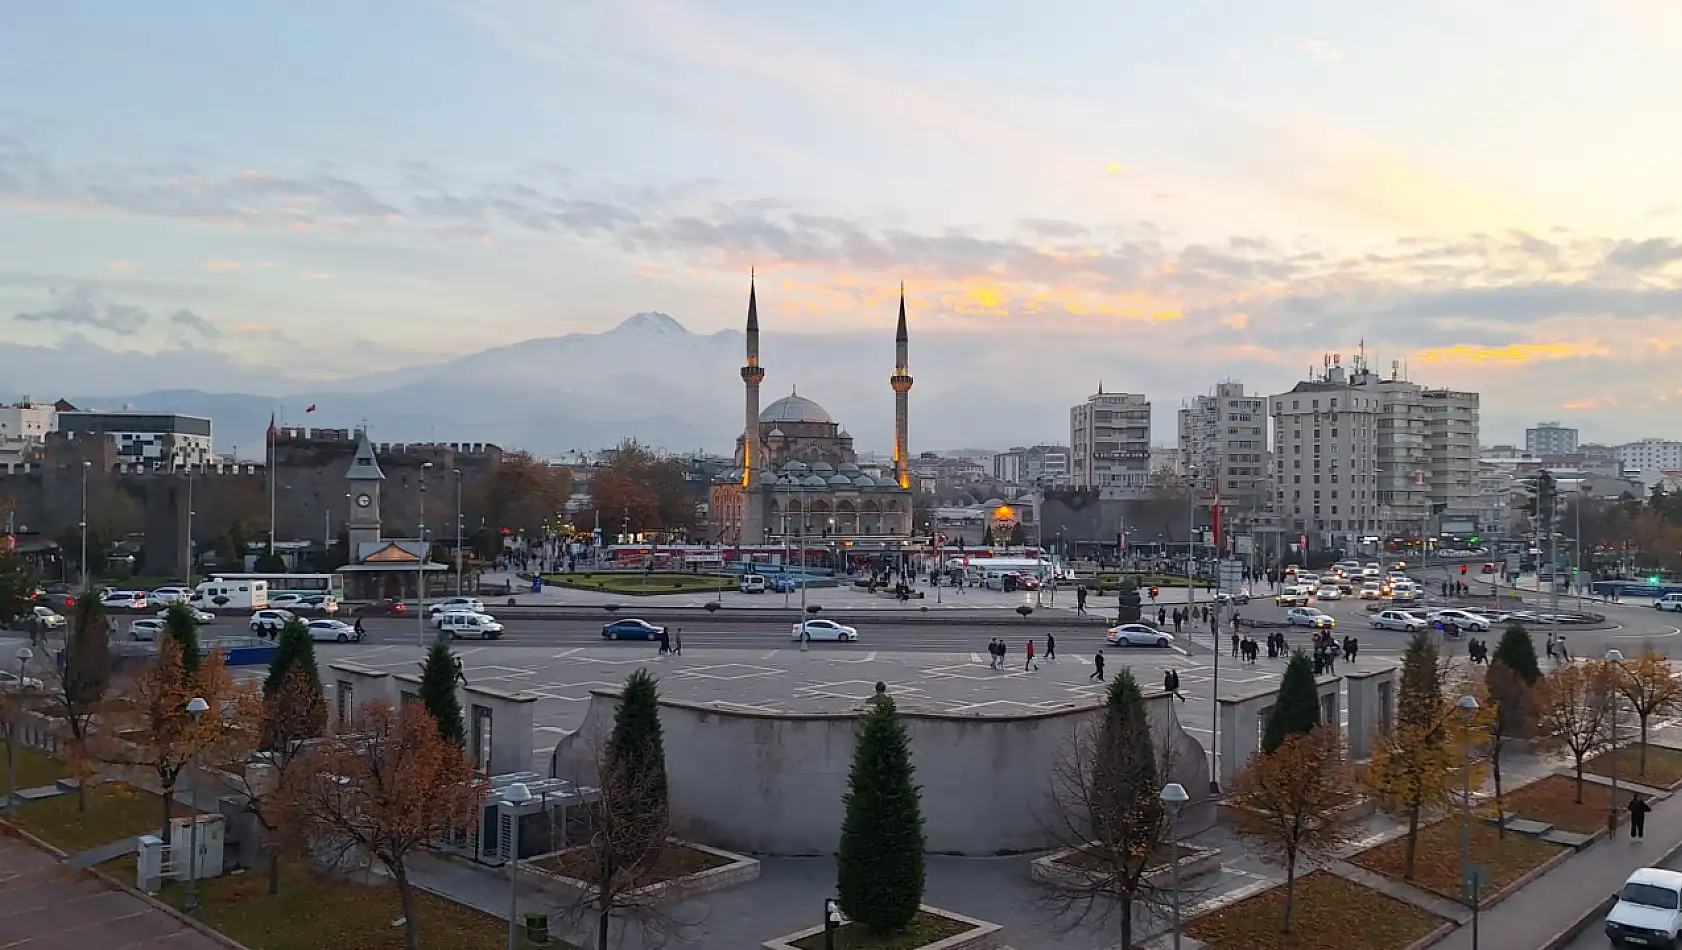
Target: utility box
{"points": [[149, 876], [203, 834]]}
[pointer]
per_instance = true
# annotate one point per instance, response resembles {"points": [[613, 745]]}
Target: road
{"points": [[1594, 937]]}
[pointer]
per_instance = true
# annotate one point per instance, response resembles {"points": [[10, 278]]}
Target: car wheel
{"points": [[613, 634], [344, 638], [1162, 643]]}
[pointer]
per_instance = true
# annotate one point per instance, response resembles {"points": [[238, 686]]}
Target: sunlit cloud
{"points": [[122, 267], [223, 265], [1590, 404], [1322, 51], [1513, 352]]}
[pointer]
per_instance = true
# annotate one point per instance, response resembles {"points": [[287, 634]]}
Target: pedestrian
{"points": [[1552, 654], [1051, 645], [1638, 809], [1080, 605], [1235, 643], [1564, 654], [1173, 677], [1028, 664], [677, 647], [1003, 649], [461, 675], [1161, 617], [1235, 621], [1097, 666], [665, 642]]}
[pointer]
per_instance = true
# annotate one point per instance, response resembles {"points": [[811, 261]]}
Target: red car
{"points": [[384, 607], [1489, 568]]}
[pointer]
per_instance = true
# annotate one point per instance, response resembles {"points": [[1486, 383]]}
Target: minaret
{"points": [[901, 381], [753, 456]]}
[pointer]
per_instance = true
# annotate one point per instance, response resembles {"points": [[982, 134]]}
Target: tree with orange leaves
{"points": [[1652, 688], [1572, 705], [617, 496], [386, 786], [291, 718]]}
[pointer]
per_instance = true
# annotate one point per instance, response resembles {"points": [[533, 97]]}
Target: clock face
{"points": [[363, 501]]}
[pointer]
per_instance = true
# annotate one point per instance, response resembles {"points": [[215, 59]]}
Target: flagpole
{"points": [[271, 485]]}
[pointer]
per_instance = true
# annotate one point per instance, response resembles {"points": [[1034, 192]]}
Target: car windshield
{"points": [[1649, 895]]}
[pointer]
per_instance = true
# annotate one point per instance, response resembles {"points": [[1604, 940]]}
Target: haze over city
{"points": [[286, 200]]}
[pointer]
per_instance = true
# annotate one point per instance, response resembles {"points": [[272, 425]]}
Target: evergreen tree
{"points": [[294, 651], [1422, 682], [1517, 651], [438, 692], [879, 866], [987, 536], [16, 587], [180, 626], [1297, 707], [637, 746], [1125, 804]]}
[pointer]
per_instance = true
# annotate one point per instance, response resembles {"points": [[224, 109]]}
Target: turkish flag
{"points": [[310, 409]]}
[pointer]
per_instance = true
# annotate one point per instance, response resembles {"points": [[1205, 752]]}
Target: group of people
{"points": [[1328, 650], [997, 650], [1477, 650]]}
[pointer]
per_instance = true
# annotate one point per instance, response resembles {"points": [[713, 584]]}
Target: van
{"points": [[464, 623], [217, 594], [1648, 912], [752, 584], [1669, 602]]}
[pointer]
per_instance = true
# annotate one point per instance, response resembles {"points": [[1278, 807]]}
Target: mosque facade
{"points": [[797, 475]]}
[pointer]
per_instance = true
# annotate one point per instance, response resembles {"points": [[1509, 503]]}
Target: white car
{"points": [[1329, 592], [199, 616], [145, 629], [1292, 596], [9, 682], [123, 600], [824, 630], [1233, 597], [1669, 602], [465, 623], [281, 601], [1397, 620], [1463, 619], [270, 621], [449, 604], [438, 618], [44, 618], [1404, 595], [1648, 911], [164, 596], [1308, 617], [1371, 591], [1137, 635], [336, 631]]}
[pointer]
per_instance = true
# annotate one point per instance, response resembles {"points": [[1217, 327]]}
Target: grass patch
{"points": [[1664, 765], [674, 862], [1437, 865], [1554, 800], [35, 769], [925, 928], [1331, 914], [316, 911], [115, 811], [634, 582]]}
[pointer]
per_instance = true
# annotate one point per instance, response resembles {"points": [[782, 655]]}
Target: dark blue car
{"points": [[630, 630]]}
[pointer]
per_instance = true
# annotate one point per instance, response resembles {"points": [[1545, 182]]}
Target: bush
{"points": [[637, 745], [879, 866], [1518, 652], [1297, 708], [438, 692], [180, 626]]}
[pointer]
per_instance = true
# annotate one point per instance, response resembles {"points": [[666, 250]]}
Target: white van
{"points": [[753, 584], [1648, 911], [463, 623], [1669, 602], [231, 595]]}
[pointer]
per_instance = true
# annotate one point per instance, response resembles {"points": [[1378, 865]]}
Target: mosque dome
{"points": [[797, 409], [886, 483], [839, 481], [864, 481], [795, 467], [814, 481]]}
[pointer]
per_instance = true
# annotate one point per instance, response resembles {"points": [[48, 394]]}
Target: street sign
{"points": [[1232, 574]]}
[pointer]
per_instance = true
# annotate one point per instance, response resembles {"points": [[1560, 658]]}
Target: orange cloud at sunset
{"points": [[1513, 352]]}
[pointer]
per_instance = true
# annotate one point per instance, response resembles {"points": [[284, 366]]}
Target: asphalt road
{"points": [[1594, 937]]}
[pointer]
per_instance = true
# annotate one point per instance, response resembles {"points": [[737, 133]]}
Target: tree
{"points": [[1517, 652], [637, 748], [1514, 721], [387, 786], [1297, 708], [438, 692], [180, 626], [1293, 803], [1018, 534], [987, 536], [1572, 706], [879, 865], [271, 563], [524, 493], [16, 585], [617, 496], [1422, 681], [79, 689], [1652, 688], [1106, 805], [293, 711]]}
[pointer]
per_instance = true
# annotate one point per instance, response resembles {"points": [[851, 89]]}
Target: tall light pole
{"points": [[189, 526], [457, 472], [1174, 797], [196, 708], [425, 555], [517, 801], [24, 655], [1615, 662], [84, 524], [1577, 546], [1468, 705], [1191, 549]]}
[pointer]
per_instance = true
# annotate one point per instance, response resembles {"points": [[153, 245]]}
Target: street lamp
{"points": [[517, 802], [1616, 660], [457, 473], [1191, 548], [24, 655], [1174, 797], [196, 708], [425, 555], [84, 523], [832, 921], [1467, 704], [190, 514]]}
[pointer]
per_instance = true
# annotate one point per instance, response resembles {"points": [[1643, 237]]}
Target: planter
{"points": [[981, 935], [1194, 862], [729, 870], [1358, 810]]}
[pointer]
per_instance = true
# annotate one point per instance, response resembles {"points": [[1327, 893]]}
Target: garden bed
{"points": [[1507, 859], [931, 929], [637, 583], [1664, 766], [1331, 914], [36, 769], [1554, 800], [115, 811], [683, 870], [1073, 867]]}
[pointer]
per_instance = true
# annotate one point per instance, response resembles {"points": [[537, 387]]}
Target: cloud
{"points": [[317, 275], [1322, 51], [80, 308], [1513, 352], [223, 265], [1651, 254], [192, 321], [121, 267]]}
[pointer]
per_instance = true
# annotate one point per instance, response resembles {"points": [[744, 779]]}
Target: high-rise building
{"points": [[1651, 455], [1325, 471], [1452, 441], [1110, 444], [1223, 438], [1550, 438], [1401, 451]]}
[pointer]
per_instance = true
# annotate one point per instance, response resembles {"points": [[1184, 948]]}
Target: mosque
{"points": [[796, 475]]}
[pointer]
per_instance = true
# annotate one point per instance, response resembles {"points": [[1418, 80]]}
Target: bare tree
{"points": [[288, 715], [76, 689], [1573, 706]]}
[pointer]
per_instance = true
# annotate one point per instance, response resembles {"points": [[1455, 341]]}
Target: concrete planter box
{"points": [[1193, 862], [1358, 810], [738, 870], [981, 935]]}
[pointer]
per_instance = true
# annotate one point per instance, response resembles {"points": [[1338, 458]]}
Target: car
{"points": [[384, 607], [1371, 590], [824, 630], [164, 596], [472, 604], [783, 583], [9, 682], [752, 584], [1026, 581], [1241, 596], [147, 629], [1399, 566], [1397, 620], [270, 621], [199, 616], [333, 630], [1292, 596], [40, 618], [1464, 619], [1404, 595], [1371, 570], [1309, 617], [1346, 586], [123, 600], [318, 604], [630, 629], [285, 601], [1648, 911], [1488, 568], [438, 619], [1137, 635], [465, 623], [1669, 602], [1329, 592]]}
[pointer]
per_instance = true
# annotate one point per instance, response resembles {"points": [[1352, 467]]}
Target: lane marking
{"points": [[1674, 631]]}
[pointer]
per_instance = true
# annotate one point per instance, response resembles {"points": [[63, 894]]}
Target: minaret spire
{"points": [[753, 456], [901, 382]]}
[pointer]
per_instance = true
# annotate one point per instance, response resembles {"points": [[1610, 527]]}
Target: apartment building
{"points": [[1452, 425], [1550, 438], [1223, 437], [1650, 455], [160, 438], [1325, 471], [1110, 444], [1401, 453], [1038, 466]]}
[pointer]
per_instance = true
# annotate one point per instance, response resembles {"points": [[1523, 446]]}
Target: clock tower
{"points": [[364, 477]]}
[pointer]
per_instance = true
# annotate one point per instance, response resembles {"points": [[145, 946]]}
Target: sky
{"points": [[1484, 196]]}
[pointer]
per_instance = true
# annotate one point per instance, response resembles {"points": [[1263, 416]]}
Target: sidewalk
{"points": [[1577, 888]]}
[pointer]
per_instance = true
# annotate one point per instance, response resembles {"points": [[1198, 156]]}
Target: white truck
{"points": [[217, 594]]}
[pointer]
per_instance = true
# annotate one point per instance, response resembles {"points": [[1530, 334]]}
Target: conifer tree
{"points": [[1517, 651], [180, 626], [1422, 681], [294, 651], [438, 692], [637, 746], [1297, 708], [879, 866]]}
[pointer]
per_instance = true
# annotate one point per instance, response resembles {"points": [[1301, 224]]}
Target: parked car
{"points": [[333, 630], [630, 629], [147, 629], [752, 584], [9, 682], [1397, 620], [270, 621], [124, 600], [384, 607], [1309, 617], [285, 601], [1137, 635], [824, 630], [1648, 911], [465, 623], [164, 596], [448, 604], [199, 616]]}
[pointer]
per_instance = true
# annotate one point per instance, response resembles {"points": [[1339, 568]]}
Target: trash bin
{"points": [[537, 926], [536, 584]]}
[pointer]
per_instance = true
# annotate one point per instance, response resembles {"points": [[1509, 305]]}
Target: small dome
{"points": [[774, 434], [847, 468], [864, 481], [993, 502], [886, 483], [822, 468], [843, 434], [813, 481], [796, 467], [798, 409], [838, 481]]}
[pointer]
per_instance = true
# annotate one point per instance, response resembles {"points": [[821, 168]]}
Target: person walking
{"points": [[1080, 604], [461, 674], [1171, 684], [1638, 809], [1028, 663], [1235, 643], [1097, 666], [677, 644], [1051, 645]]}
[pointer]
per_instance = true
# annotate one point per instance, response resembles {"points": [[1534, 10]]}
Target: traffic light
{"points": [[1653, 580], [1462, 568]]}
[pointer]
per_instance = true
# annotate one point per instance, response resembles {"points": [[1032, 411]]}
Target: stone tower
{"points": [[753, 452], [364, 476], [901, 381]]}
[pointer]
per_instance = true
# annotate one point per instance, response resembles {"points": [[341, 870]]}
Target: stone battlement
{"points": [[346, 438], [240, 469]]}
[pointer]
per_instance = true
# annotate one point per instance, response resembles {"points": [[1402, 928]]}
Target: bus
{"points": [[305, 585]]}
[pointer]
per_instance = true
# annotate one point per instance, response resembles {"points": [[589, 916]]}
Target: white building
{"points": [[1325, 471], [1651, 455], [1040, 466], [1223, 437], [1452, 441], [159, 438], [1110, 444], [27, 421], [1550, 438]]}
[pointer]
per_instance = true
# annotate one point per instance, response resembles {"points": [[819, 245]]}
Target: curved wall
{"points": [[771, 783]]}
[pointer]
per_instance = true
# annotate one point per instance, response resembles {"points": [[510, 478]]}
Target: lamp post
{"points": [[517, 802], [1191, 548], [1615, 659], [1174, 797], [190, 514], [832, 921], [24, 655], [425, 555], [1467, 704], [196, 708], [457, 473], [84, 523]]}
